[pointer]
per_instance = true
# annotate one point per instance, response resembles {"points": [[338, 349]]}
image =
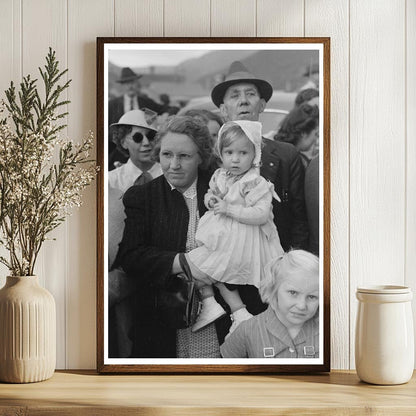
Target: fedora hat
{"points": [[128, 75], [237, 74]]}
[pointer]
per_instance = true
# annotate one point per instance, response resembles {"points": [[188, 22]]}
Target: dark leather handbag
{"points": [[177, 305]]}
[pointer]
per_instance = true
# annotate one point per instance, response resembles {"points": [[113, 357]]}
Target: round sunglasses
{"points": [[138, 137]]}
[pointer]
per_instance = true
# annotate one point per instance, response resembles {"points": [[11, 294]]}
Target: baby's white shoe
{"points": [[210, 312], [239, 316]]}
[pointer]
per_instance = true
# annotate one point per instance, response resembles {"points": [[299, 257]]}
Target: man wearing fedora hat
{"points": [[242, 96], [132, 99]]}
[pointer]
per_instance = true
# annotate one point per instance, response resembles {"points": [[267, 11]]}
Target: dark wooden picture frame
{"points": [[131, 365]]}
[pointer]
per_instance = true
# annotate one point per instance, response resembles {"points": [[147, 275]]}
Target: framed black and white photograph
{"points": [[213, 205]]}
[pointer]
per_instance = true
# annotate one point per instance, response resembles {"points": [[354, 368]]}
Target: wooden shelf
{"points": [[87, 393]]}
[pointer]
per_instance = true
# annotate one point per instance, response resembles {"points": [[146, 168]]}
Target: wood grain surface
{"points": [[83, 392], [51, 267], [84, 20], [377, 150], [329, 17]]}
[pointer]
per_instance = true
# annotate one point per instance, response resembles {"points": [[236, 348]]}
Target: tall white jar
{"points": [[384, 337], [27, 331]]}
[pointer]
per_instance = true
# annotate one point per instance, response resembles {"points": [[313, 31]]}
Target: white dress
{"points": [[234, 248]]}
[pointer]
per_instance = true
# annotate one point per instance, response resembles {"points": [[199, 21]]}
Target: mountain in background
{"points": [[213, 62], [284, 69]]}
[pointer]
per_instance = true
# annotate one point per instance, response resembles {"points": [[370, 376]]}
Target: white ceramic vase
{"points": [[27, 331], [384, 337]]}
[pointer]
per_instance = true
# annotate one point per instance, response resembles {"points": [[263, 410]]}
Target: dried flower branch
{"points": [[36, 193]]}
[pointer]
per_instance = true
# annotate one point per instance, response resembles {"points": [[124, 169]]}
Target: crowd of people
{"points": [[243, 209]]}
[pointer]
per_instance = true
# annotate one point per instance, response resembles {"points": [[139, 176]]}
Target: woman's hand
{"points": [[176, 266], [201, 279]]}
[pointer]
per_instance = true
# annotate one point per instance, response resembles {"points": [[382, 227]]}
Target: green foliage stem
{"points": [[36, 193]]}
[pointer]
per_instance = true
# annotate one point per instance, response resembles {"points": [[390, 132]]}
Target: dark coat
{"points": [[282, 166], [155, 231], [312, 203]]}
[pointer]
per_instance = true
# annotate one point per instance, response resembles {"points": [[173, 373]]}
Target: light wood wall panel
{"points": [[86, 21], [330, 18], [138, 18], [233, 18], [187, 18], [10, 66], [280, 18], [44, 25], [377, 152], [411, 149], [10, 44]]}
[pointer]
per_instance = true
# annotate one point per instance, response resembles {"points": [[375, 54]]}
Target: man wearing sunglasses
{"points": [[134, 138]]}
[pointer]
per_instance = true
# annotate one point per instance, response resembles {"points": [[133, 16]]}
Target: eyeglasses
{"points": [[138, 137], [181, 157]]}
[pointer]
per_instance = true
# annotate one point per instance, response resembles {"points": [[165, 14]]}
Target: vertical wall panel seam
{"points": [[163, 19], [114, 18], [256, 17], [405, 146], [304, 17], [210, 18], [66, 222], [349, 186], [21, 40]]}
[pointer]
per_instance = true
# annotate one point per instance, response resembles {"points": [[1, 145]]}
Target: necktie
{"points": [[131, 103], [143, 178]]}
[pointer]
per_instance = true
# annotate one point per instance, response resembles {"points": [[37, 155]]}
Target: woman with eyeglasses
{"points": [[161, 222], [134, 137]]}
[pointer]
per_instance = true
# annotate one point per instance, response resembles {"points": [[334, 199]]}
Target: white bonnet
{"points": [[252, 129]]}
